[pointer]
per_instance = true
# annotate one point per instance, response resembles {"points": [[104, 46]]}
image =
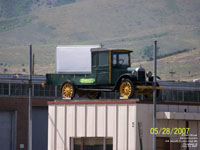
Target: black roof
{"points": [[106, 49]]}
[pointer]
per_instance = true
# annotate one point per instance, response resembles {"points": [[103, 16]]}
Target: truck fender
{"points": [[124, 76], [69, 81]]}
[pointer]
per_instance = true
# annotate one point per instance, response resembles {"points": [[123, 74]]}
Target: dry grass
{"points": [[185, 65], [115, 23]]}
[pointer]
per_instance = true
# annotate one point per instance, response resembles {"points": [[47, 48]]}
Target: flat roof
{"points": [[129, 101]]}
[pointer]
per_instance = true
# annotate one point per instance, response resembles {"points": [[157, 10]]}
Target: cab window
{"points": [[120, 59], [103, 59]]}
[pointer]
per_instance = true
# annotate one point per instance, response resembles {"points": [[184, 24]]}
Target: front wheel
{"points": [[126, 88], [68, 90]]}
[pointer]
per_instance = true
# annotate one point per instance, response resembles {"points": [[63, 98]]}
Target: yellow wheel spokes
{"points": [[67, 90], [125, 89]]}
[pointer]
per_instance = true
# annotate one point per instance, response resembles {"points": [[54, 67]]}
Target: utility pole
{"points": [[30, 104], [154, 95], [33, 69]]}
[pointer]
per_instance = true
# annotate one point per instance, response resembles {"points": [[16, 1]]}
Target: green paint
{"points": [[89, 80]]}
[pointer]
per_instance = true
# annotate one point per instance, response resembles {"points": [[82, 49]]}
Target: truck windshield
{"points": [[120, 59]]}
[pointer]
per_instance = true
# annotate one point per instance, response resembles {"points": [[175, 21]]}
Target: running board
{"points": [[144, 87]]}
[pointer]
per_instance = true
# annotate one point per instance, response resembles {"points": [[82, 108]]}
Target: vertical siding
{"points": [[70, 124], [60, 130], [122, 127], [90, 121], [80, 120], [132, 127], [51, 127], [111, 124], [119, 121], [101, 119]]}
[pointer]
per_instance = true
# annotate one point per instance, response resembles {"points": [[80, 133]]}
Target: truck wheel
{"points": [[126, 88], [68, 90]]}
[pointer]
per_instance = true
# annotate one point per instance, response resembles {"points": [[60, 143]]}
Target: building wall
{"points": [[101, 119], [117, 119], [20, 107], [145, 115]]}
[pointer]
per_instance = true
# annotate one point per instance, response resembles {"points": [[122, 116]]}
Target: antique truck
{"points": [[89, 70]]}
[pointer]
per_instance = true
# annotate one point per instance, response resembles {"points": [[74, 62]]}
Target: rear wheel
{"points": [[126, 88], [68, 90]]}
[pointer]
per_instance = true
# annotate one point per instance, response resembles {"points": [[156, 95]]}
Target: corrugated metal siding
{"points": [[116, 120], [91, 120]]}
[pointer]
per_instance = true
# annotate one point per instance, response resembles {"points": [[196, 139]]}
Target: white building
{"points": [[116, 124]]}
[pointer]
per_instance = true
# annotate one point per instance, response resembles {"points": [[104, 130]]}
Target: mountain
{"points": [[131, 24], [182, 66]]}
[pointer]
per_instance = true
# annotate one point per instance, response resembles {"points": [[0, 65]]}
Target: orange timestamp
{"points": [[169, 131]]}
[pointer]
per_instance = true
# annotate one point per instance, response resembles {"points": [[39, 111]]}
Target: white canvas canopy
{"points": [[74, 59]]}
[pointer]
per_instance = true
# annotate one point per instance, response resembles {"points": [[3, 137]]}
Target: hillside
{"points": [[132, 24], [186, 66]]}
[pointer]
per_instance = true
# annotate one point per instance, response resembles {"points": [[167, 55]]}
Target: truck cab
{"points": [[109, 64]]}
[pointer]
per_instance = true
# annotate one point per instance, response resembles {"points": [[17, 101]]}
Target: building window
{"points": [[91, 143], [4, 89]]}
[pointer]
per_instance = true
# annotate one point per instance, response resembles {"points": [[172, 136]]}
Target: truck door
{"points": [[120, 63]]}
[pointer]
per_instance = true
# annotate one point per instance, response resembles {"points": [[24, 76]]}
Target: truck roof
{"points": [[105, 49]]}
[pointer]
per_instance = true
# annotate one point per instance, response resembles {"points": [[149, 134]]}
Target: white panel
{"points": [[90, 120], [51, 127], [132, 128], [111, 124], [70, 126], [80, 120], [60, 130], [173, 108], [193, 109], [122, 127], [101, 118], [74, 59]]}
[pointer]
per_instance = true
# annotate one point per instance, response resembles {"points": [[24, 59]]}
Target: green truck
{"points": [[93, 70]]}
